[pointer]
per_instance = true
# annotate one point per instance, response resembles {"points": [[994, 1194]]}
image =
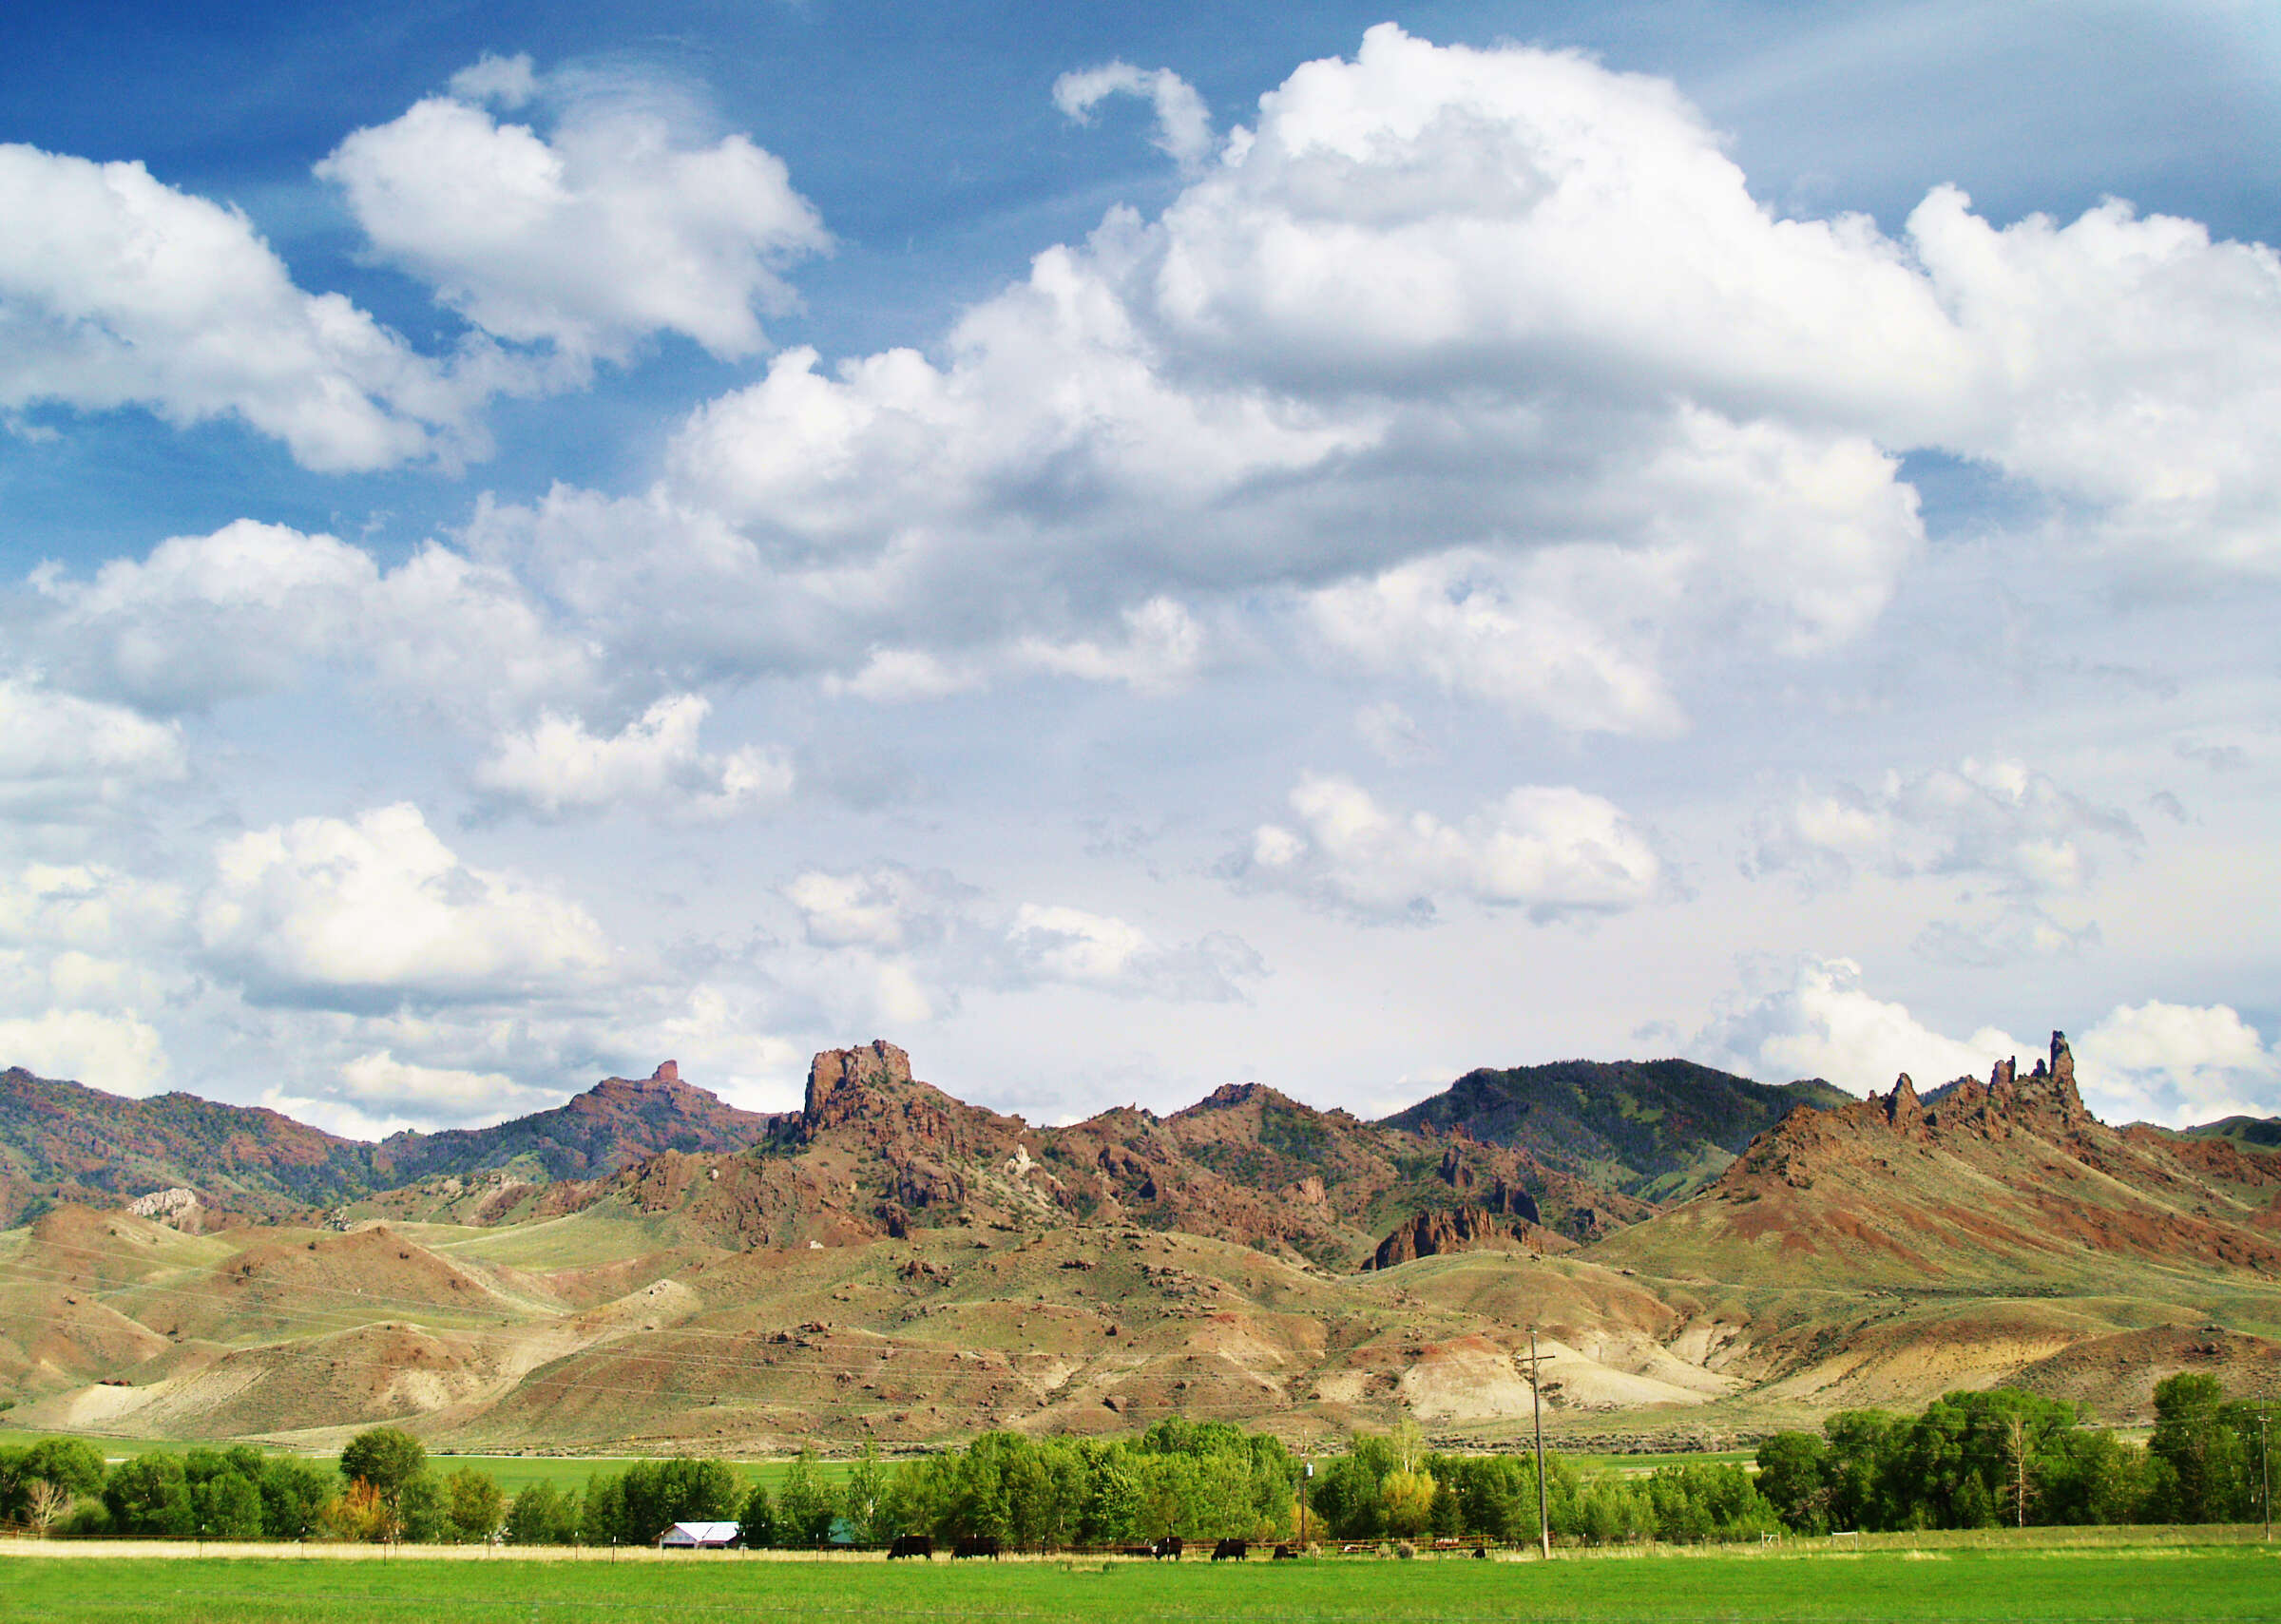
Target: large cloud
{"points": [[608, 228], [249, 608], [117, 290], [558, 767], [1489, 360], [1817, 1019], [60, 755], [904, 945], [2172, 1063], [1998, 821], [1549, 851], [2177, 1063], [116, 1051], [377, 912]]}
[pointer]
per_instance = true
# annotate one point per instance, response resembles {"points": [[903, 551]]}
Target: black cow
{"points": [[1481, 1553], [1136, 1550], [1169, 1548], [1229, 1551], [919, 1545], [977, 1545], [1285, 1554]]}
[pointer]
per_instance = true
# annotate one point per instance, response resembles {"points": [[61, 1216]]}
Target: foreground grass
{"points": [[2175, 1582]]}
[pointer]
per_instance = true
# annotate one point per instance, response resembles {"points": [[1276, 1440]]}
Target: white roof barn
{"points": [[699, 1536]]}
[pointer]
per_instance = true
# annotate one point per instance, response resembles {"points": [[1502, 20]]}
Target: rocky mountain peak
{"points": [[839, 1079]]}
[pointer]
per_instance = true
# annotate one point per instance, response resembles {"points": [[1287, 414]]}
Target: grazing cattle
{"points": [[1169, 1548], [1481, 1553], [1229, 1551], [977, 1545], [1285, 1554], [919, 1545], [1136, 1550]]}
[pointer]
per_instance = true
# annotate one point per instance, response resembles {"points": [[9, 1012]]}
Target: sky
{"points": [[1131, 550]]}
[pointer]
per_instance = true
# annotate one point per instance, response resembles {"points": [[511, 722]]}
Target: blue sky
{"points": [[535, 539]]}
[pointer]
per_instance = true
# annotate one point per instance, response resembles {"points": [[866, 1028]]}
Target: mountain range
{"points": [[1701, 1256]]}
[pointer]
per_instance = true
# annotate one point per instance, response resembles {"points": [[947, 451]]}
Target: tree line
{"points": [[383, 1489], [1967, 1460], [2007, 1457]]}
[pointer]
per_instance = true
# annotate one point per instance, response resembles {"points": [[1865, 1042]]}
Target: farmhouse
{"points": [[697, 1537]]}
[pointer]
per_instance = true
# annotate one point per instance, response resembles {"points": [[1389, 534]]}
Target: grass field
{"points": [[515, 1473], [2169, 1582]]}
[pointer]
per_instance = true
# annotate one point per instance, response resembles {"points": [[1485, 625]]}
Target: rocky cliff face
{"points": [[2009, 1180], [1458, 1229], [876, 1152]]}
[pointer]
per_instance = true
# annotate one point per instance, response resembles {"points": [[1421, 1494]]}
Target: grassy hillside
{"points": [[1654, 1130]]}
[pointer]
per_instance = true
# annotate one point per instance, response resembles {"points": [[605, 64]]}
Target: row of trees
{"points": [[1981, 1460], [1196, 1480], [383, 1490], [1970, 1460], [1392, 1486]]}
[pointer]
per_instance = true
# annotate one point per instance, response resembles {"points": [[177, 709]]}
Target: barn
{"points": [[697, 1537]]}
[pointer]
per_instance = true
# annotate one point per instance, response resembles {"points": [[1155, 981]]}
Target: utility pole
{"points": [[2266, 1478], [1536, 1404], [1306, 1476]]}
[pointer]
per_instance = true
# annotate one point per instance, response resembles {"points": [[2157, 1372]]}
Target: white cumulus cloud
{"points": [[60, 755], [1998, 820], [1551, 850], [376, 913], [1183, 123], [558, 767], [118, 1052], [249, 608], [609, 227], [1817, 1019], [117, 290], [2177, 1065]]}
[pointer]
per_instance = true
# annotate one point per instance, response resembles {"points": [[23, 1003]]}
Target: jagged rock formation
{"points": [[2008, 1181], [875, 1152], [1458, 1229]]}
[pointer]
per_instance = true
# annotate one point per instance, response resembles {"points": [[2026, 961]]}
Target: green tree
{"points": [[2092, 1477], [862, 1496], [543, 1515], [2210, 1465], [804, 1504], [293, 1497], [388, 1458], [655, 1495], [1408, 1497], [1794, 1475], [422, 1514], [226, 1507], [756, 1522], [150, 1495], [473, 1504]]}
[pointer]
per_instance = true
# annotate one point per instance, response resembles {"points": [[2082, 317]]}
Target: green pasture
{"points": [[515, 1473], [1648, 1463], [2175, 1581]]}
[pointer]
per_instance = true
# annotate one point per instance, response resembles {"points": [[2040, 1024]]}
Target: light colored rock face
{"points": [[164, 1204]]}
